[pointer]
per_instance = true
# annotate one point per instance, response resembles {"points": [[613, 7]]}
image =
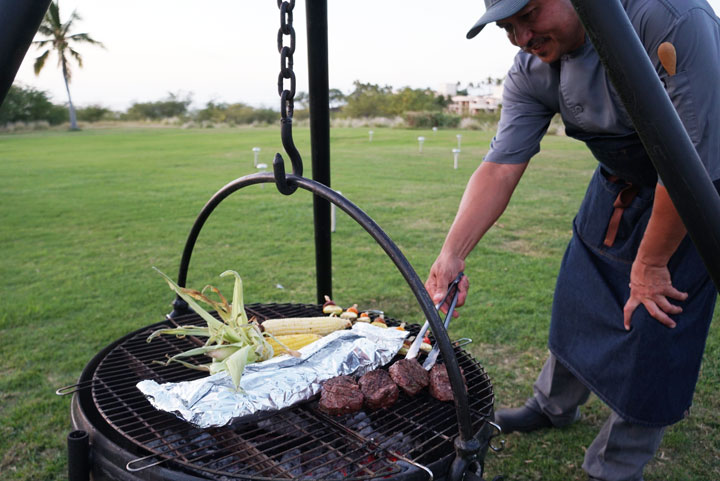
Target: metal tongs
{"points": [[453, 290]]}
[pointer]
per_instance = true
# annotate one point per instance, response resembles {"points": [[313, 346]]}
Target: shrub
{"points": [[173, 106], [27, 104], [95, 113], [431, 119], [236, 114]]}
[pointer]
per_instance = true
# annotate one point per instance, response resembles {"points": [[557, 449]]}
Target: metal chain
{"points": [[287, 96], [287, 104]]}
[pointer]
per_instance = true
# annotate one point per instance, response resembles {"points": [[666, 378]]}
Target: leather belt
{"points": [[622, 201]]}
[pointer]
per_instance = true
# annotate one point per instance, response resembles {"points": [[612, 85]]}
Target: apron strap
{"points": [[622, 201]]}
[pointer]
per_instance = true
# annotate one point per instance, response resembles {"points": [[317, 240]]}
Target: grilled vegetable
{"points": [[424, 347], [330, 307], [232, 343], [378, 323], [351, 313], [305, 325], [291, 342]]}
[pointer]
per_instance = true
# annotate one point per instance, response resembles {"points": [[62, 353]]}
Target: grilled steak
{"points": [[340, 395], [379, 389], [409, 375], [440, 387]]}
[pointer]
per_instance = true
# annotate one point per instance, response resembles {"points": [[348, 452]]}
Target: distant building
{"points": [[485, 99], [469, 105]]}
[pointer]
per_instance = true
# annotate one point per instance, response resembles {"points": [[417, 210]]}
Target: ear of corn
{"points": [[305, 325], [231, 343], [281, 344]]}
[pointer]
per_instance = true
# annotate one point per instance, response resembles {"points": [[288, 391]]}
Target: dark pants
{"points": [[621, 449]]}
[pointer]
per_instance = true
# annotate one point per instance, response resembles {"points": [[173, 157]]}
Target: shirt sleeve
{"points": [[694, 90], [524, 119]]}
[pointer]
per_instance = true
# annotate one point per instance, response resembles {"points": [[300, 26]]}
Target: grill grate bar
{"points": [[322, 458], [285, 445], [299, 442], [346, 458], [248, 449]]}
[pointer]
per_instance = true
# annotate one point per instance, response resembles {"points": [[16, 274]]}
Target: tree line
{"points": [[418, 107]]}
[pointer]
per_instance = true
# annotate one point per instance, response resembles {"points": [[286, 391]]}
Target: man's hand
{"points": [[650, 283], [442, 273], [651, 287]]}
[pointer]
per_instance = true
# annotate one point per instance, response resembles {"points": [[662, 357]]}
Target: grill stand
{"points": [[467, 446]]}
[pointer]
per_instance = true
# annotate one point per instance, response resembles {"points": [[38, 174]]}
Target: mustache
{"points": [[532, 43]]}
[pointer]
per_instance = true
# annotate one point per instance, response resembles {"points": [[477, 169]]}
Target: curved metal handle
{"points": [[459, 389], [143, 463], [497, 449]]}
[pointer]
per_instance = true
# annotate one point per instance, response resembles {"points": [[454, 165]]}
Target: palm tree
{"points": [[60, 40]]}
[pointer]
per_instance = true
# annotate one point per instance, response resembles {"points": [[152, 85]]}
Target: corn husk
{"points": [[231, 343]]}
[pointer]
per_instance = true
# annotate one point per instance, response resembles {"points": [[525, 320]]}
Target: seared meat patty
{"points": [[341, 395], [440, 387], [379, 389], [409, 375]]}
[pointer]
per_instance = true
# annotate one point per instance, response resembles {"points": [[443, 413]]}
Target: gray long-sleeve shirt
{"points": [[578, 88]]}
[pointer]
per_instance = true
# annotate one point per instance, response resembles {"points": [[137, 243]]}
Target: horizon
{"points": [[181, 47]]}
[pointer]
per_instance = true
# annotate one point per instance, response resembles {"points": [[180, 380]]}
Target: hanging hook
{"points": [[281, 181], [289, 144], [284, 185], [287, 106]]}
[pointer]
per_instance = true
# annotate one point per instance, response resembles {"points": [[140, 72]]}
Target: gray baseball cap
{"points": [[496, 10]]}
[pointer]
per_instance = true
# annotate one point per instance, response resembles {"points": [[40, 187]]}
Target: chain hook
{"points": [[287, 105], [283, 184]]}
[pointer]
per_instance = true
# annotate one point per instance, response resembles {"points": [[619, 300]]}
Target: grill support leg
{"points": [[78, 443]]}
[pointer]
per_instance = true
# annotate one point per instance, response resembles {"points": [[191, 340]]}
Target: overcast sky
{"points": [[226, 50]]}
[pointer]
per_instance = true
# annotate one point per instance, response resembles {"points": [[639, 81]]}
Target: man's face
{"points": [[547, 29]]}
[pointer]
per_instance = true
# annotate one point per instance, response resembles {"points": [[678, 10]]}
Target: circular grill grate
{"points": [[300, 442]]}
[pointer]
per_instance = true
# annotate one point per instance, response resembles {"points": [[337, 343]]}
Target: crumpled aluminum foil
{"points": [[279, 382]]}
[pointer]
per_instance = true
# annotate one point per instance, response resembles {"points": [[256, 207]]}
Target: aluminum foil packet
{"points": [[279, 382]]}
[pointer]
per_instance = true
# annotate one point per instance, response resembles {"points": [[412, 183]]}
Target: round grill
{"points": [[300, 442]]}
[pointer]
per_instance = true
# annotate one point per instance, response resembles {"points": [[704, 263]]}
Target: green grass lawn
{"points": [[85, 215]]}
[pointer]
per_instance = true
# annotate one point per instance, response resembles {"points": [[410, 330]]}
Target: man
{"points": [[633, 301]]}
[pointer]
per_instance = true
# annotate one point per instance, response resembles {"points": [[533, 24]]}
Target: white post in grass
{"points": [[261, 168], [420, 143], [456, 153], [332, 214], [434, 130], [370, 132], [459, 137], [256, 152]]}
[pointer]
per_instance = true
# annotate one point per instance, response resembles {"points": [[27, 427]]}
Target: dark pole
{"points": [[317, 34], [19, 21], [657, 123]]}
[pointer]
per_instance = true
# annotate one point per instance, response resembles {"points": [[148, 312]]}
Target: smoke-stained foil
{"points": [[279, 382]]}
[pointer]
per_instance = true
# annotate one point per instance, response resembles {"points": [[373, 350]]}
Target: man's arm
{"points": [[484, 200], [650, 282], [696, 97]]}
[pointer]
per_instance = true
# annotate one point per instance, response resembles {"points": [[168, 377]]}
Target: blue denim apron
{"points": [[648, 374]]}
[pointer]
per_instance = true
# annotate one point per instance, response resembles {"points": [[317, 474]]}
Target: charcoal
{"points": [[409, 375], [341, 395], [379, 389]]}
